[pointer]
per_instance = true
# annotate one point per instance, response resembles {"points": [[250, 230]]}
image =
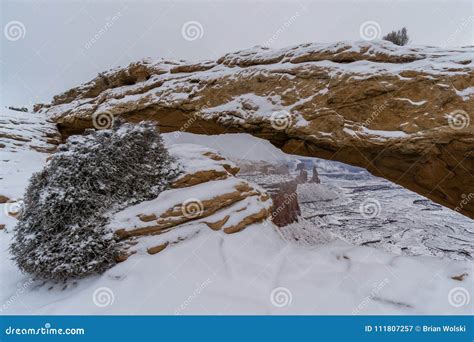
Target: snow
{"points": [[235, 146], [170, 198], [19, 160], [192, 157], [415, 103], [429, 60], [315, 192], [379, 134], [261, 108], [465, 93], [240, 272], [385, 134]]}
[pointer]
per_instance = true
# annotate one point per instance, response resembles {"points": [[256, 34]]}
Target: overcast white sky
{"points": [[56, 48]]}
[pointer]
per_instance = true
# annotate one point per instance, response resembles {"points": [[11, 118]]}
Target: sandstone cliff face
{"points": [[403, 113]]}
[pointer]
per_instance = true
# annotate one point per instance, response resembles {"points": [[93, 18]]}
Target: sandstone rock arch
{"points": [[403, 113]]}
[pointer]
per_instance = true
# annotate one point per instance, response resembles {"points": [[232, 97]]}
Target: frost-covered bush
{"points": [[62, 232], [399, 37]]}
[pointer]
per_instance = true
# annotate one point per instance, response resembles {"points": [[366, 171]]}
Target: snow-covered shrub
{"points": [[62, 232], [399, 37]]}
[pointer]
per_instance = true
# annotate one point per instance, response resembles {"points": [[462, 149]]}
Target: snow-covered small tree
{"points": [[62, 231], [399, 37]]}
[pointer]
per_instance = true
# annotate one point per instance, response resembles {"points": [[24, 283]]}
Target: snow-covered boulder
{"points": [[207, 195]]}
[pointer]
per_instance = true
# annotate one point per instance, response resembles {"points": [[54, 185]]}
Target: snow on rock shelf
{"points": [[206, 194], [402, 113], [25, 141]]}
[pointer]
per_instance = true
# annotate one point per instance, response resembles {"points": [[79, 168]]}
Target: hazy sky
{"points": [[49, 46]]}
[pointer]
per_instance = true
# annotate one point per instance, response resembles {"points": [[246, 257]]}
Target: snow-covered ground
{"points": [[260, 270], [252, 272], [21, 136], [367, 210]]}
